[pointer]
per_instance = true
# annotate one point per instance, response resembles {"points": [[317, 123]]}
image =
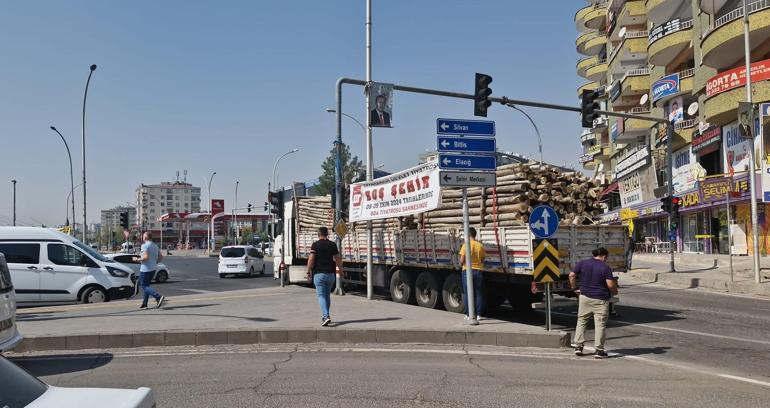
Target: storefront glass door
{"points": [[691, 226]]}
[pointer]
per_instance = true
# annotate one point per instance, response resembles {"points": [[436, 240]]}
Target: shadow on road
{"points": [[640, 351], [149, 313], [384, 319], [43, 366]]}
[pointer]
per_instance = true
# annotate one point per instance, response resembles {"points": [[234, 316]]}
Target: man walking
{"points": [[477, 255], [324, 257], [597, 286], [149, 257]]}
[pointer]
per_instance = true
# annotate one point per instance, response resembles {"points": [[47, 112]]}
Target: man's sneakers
{"points": [[143, 307], [600, 354], [326, 321], [579, 351], [160, 301]]}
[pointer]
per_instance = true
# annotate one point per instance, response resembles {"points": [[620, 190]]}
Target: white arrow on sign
{"points": [[446, 161], [444, 143], [444, 126]]}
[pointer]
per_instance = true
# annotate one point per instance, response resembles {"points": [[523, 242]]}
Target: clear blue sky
{"points": [[227, 86]]}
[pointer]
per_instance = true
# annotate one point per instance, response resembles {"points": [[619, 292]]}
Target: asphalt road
{"points": [[723, 333], [393, 377], [190, 275]]}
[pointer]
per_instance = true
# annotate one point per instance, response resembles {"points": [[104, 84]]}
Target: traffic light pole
{"points": [[670, 182]]}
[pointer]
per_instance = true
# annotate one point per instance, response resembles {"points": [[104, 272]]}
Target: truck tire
{"points": [[452, 293], [494, 301], [402, 287], [521, 299], [428, 290]]}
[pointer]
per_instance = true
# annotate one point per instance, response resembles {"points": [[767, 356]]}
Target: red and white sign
{"points": [[411, 191], [217, 206], [736, 77]]}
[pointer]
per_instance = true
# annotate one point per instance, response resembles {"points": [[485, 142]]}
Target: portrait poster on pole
{"points": [[380, 104]]}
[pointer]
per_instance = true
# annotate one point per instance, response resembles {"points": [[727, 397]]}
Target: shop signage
{"points": [[630, 190], [615, 91], [626, 214], [683, 175], [668, 85], [701, 140], [736, 78], [664, 29], [763, 158], [614, 130], [737, 149], [594, 150], [585, 158], [716, 189], [690, 199], [632, 162]]}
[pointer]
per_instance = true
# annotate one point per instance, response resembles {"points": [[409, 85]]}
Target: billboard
{"points": [[668, 85], [683, 174], [736, 78]]}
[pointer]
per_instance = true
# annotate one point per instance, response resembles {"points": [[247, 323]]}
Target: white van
{"points": [[49, 266], [9, 336]]}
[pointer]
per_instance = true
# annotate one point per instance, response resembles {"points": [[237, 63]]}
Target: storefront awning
{"points": [[612, 187]]}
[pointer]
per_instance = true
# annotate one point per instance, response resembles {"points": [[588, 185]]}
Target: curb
{"points": [[299, 335], [684, 281]]}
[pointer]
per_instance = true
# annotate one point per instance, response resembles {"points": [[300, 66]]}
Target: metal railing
{"points": [[736, 14], [632, 34], [640, 109], [684, 25], [635, 72], [687, 73]]}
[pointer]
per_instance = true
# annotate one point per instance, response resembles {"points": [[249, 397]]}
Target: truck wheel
{"points": [[494, 301], [402, 287], [428, 290], [521, 299], [452, 293]]}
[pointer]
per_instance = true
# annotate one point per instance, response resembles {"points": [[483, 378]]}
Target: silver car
{"points": [[161, 271]]}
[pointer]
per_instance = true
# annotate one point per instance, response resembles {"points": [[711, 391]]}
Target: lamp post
{"points": [[210, 227], [752, 159], [83, 141], [235, 214], [537, 131], [275, 185], [14, 201], [66, 211], [72, 178]]}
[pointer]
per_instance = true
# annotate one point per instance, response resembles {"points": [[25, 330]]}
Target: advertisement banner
{"points": [[737, 149], [632, 162], [411, 191], [675, 110], [630, 190], [668, 85], [736, 78], [706, 138], [381, 105], [716, 189], [217, 207], [683, 175], [764, 150], [664, 29]]}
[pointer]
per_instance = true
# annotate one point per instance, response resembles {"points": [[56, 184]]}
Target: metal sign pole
{"points": [[548, 306], [752, 159], [729, 229], [468, 265]]}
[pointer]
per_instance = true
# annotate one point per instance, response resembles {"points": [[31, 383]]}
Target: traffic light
{"points": [[588, 108], [276, 203], [665, 204], [675, 203], [481, 95], [265, 206], [248, 208], [124, 219]]}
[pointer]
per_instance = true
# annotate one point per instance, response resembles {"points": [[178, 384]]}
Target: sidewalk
{"points": [[268, 315], [710, 272]]}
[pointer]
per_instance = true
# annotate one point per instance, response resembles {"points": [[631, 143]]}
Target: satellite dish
{"points": [[644, 99], [622, 32], [692, 109]]}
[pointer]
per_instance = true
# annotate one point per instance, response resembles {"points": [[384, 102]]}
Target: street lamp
{"points": [[537, 131], [83, 141], [275, 185], [235, 214], [14, 201], [72, 179], [66, 204], [331, 110], [210, 227]]}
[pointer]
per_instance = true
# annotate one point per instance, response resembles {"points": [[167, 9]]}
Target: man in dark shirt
{"points": [[324, 259], [597, 286]]}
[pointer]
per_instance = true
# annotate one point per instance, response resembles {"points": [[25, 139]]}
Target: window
{"points": [[21, 253], [127, 259], [232, 252], [18, 388], [61, 254]]}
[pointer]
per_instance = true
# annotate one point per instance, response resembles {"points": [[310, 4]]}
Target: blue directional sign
{"points": [[465, 127], [466, 162], [543, 222], [461, 144]]}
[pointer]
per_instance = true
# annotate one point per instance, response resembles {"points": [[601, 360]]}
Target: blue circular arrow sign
{"points": [[543, 222]]}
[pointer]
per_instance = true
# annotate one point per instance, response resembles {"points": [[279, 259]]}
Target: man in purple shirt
{"points": [[597, 286]]}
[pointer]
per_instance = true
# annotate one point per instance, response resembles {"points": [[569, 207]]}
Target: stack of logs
{"points": [[520, 188]]}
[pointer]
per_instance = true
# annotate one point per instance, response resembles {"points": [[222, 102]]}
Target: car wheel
{"points": [[94, 294], [161, 276], [222, 275], [262, 272], [251, 272]]}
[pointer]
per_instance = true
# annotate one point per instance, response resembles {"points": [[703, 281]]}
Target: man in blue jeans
{"points": [[149, 257], [324, 257]]}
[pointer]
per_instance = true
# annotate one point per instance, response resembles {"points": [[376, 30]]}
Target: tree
{"points": [[350, 167]]}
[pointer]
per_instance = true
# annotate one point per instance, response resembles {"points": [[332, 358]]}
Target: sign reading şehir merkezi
{"points": [[668, 85]]}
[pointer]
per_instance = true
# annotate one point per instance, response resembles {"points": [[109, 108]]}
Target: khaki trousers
{"points": [[599, 309]]}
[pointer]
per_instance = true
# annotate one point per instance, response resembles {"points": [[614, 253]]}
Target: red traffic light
{"points": [[676, 200]]}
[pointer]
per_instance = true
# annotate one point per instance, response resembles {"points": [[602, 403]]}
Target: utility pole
{"points": [[83, 141], [752, 159], [670, 182], [235, 214], [369, 153], [14, 201]]}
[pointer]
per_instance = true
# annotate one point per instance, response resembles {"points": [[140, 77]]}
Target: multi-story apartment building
{"points": [[682, 60], [111, 217], [170, 197]]}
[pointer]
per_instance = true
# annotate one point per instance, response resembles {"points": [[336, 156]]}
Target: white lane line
{"points": [[694, 369], [744, 379], [198, 290], [649, 326]]}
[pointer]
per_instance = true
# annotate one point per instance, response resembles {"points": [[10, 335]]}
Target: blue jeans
{"points": [[477, 291], [323, 288], [144, 282]]}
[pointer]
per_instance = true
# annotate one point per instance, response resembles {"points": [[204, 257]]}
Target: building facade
{"points": [[111, 218], [682, 60], [155, 200]]}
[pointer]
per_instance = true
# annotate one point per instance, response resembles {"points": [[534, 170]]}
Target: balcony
{"points": [[589, 86], [712, 6], [630, 53], [592, 17], [723, 107], [633, 85], [631, 13], [659, 11], [591, 42], [587, 136], [686, 79], [597, 71], [722, 43], [585, 64], [632, 129], [667, 41]]}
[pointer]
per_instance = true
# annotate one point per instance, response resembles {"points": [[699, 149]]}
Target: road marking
{"points": [[744, 379], [198, 290], [694, 369], [649, 326]]}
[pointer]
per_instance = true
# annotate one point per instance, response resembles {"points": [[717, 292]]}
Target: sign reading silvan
{"points": [[632, 162], [668, 85], [708, 137]]}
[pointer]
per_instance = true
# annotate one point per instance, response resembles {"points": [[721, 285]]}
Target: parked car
{"points": [[49, 266], [20, 389], [240, 260], [9, 335], [161, 270], [127, 248]]}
